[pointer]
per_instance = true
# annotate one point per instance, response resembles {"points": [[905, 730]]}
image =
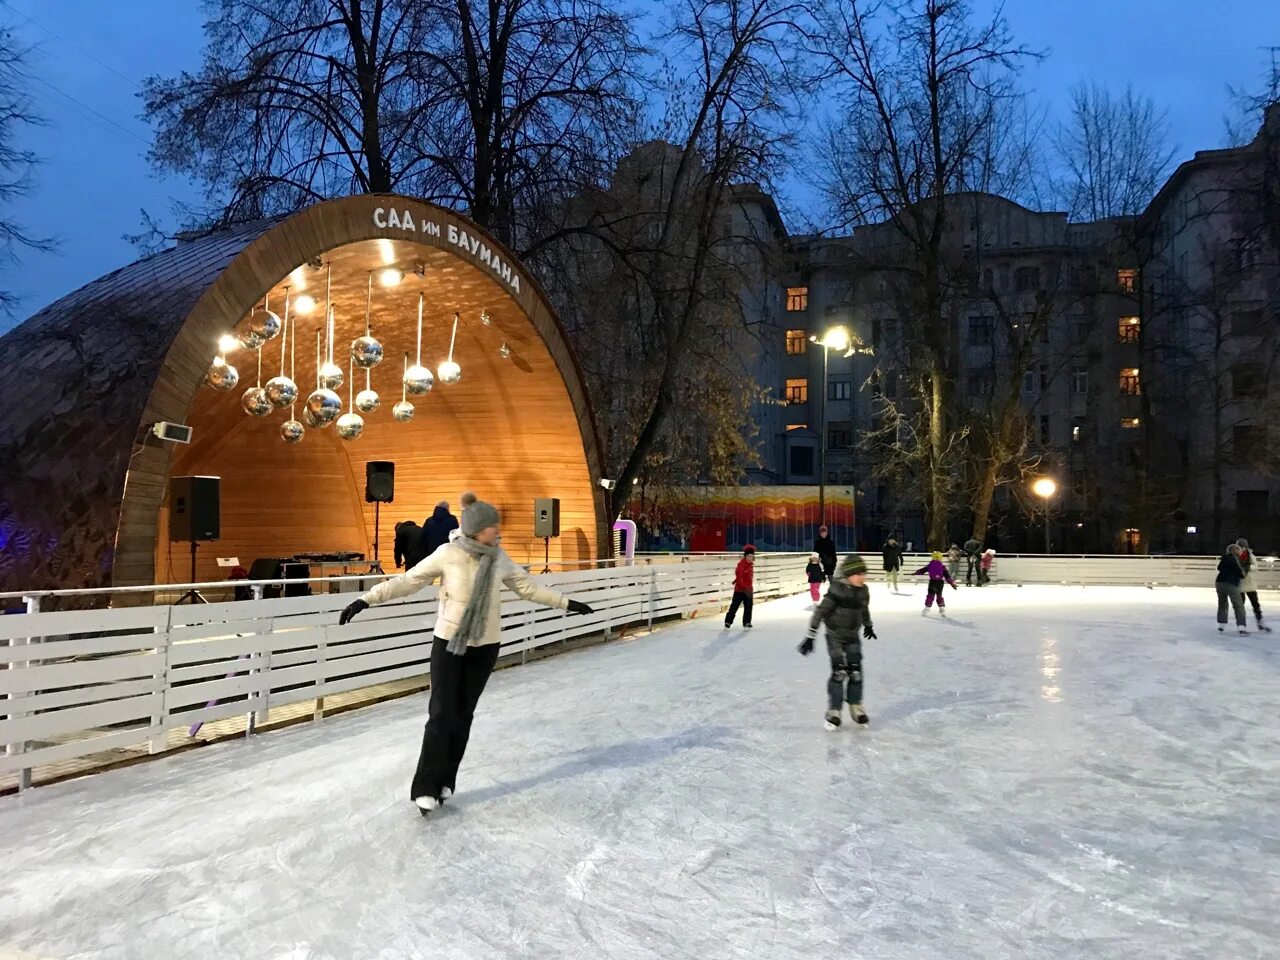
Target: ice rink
{"points": [[1056, 772]]}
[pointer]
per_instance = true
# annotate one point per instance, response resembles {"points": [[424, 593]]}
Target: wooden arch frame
{"points": [[272, 255]]}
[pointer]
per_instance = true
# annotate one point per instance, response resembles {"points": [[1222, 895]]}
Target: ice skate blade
{"points": [[830, 726]]}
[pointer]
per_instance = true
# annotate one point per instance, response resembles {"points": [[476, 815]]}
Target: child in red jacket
{"points": [[743, 588]]}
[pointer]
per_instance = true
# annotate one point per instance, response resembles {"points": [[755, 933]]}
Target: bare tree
{"points": [[1115, 152], [920, 86], [486, 106], [16, 163]]}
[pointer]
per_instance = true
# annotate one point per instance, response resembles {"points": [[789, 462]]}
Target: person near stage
{"points": [[846, 613], [435, 532], [743, 588], [813, 570], [472, 571], [892, 553], [825, 548], [408, 552]]}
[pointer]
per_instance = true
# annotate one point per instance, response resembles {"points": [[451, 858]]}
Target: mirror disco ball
{"points": [[366, 352], [350, 426], [368, 401], [310, 420], [281, 391], [402, 412], [331, 376], [264, 325], [292, 431], [255, 402], [418, 380], [449, 372], [324, 406], [222, 375]]}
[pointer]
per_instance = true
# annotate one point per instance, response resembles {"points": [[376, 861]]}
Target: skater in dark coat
{"points": [[825, 548], [938, 576], [409, 552], [1247, 586], [435, 532], [743, 588], [813, 570], [892, 553], [972, 551], [1230, 576], [846, 613]]}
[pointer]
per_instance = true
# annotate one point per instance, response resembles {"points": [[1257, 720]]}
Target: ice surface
{"points": [[1054, 773]]}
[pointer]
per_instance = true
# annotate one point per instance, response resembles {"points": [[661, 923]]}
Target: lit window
{"points": [[797, 341], [1130, 423], [797, 391], [1077, 433], [797, 299], [1132, 538], [797, 426], [1129, 329], [1129, 384], [1126, 280]]}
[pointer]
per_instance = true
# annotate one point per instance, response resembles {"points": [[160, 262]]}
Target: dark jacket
{"points": [[1229, 571], [892, 553], [972, 547], [845, 610], [814, 572], [825, 548], [435, 532], [409, 552]]}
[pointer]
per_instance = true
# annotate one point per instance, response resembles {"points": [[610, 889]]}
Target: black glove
{"points": [[869, 633], [806, 648], [354, 607], [577, 606]]}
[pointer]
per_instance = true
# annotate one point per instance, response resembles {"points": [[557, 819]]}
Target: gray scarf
{"points": [[476, 615]]}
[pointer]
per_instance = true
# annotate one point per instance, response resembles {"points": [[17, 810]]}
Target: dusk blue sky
{"points": [[92, 56]]}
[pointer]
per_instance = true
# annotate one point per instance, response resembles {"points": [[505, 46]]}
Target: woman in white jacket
{"points": [[468, 631]]}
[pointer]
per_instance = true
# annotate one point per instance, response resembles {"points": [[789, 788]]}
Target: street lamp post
{"points": [[1045, 488], [837, 338]]}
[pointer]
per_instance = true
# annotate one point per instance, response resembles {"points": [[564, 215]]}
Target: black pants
{"points": [[845, 682], [456, 685], [1252, 595], [740, 599], [969, 571]]}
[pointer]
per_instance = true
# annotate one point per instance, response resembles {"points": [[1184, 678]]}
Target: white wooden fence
{"points": [[81, 682]]}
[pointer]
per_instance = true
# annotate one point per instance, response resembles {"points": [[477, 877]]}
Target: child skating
{"points": [[743, 588], [939, 576], [846, 613], [815, 574]]}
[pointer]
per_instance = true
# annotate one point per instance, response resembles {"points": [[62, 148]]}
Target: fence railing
{"points": [[82, 682]]}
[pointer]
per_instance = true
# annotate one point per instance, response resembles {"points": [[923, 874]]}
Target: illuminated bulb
{"points": [[227, 343], [485, 318], [504, 351], [304, 304], [390, 277]]}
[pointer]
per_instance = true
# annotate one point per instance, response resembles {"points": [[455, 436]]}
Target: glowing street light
{"points": [[840, 339], [1044, 488]]}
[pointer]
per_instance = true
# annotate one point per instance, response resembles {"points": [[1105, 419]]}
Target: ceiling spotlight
{"points": [[420, 268], [390, 277], [505, 351], [227, 343], [304, 304]]}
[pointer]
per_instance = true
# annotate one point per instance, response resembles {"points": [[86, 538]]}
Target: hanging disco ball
{"points": [[292, 431], [331, 376], [324, 407], [366, 352], [449, 372], [418, 380], [264, 325], [310, 420], [255, 402], [222, 375], [350, 426], [281, 391], [402, 412], [368, 401]]}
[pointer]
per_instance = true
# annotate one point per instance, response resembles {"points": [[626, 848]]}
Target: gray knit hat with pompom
{"points": [[479, 516]]}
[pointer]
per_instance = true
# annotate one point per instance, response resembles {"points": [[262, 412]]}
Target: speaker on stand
{"points": [[379, 488], [546, 524], [194, 518]]}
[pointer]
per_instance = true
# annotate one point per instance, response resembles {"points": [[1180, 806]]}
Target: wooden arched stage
{"points": [[89, 505]]}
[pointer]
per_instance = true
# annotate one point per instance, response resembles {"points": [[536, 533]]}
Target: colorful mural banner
{"points": [[783, 518]]}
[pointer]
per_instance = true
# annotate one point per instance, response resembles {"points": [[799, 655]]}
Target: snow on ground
{"points": [[1056, 772]]}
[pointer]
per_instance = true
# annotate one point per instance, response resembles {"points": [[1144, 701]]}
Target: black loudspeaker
{"points": [[546, 517], [194, 513], [379, 481]]}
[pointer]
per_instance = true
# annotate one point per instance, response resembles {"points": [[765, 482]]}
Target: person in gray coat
{"points": [[846, 613]]}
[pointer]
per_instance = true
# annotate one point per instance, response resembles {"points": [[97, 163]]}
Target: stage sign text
{"points": [[389, 218]]}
